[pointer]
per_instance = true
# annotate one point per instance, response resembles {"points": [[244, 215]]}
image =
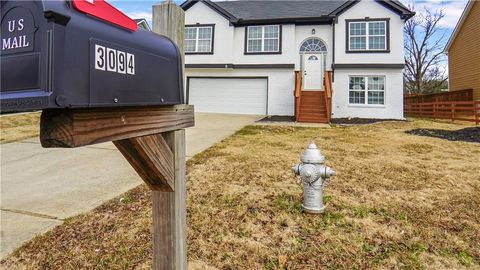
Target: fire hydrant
{"points": [[314, 176]]}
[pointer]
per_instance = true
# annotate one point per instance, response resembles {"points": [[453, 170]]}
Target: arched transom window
{"points": [[313, 45]]}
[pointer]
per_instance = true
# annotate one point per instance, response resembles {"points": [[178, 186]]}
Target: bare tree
{"points": [[424, 52]]}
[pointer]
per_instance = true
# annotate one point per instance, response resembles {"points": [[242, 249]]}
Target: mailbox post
{"points": [[169, 20], [97, 78]]}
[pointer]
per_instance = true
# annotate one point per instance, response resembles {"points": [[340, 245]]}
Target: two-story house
{"points": [[284, 58]]}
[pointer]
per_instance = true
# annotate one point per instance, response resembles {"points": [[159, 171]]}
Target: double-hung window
{"points": [[367, 90], [199, 39], [263, 39], [367, 36]]}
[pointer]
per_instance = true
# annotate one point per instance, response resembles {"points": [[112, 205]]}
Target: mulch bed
{"points": [[277, 118], [339, 121], [471, 134], [358, 121]]}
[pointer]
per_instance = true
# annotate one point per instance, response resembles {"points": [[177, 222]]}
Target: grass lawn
{"points": [[399, 201], [19, 126]]}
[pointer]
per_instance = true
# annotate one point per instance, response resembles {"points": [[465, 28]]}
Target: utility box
{"points": [[83, 53]]}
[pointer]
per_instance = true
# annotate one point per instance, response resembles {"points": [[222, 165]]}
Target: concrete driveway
{"points": [[41, 187]]}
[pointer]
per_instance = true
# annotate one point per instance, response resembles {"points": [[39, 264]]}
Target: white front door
{"points": [[313, 71]]}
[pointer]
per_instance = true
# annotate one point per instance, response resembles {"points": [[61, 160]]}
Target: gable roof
{"points": [[242, 12], [465, 13], [143, 23]]}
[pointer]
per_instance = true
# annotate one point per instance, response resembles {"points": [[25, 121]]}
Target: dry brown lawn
{"points": [[19, 126], [399, 201]]}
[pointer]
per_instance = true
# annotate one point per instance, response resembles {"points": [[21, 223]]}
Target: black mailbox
{"points": [[83, 53]]}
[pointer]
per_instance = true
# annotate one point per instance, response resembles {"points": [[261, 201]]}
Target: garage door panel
{"points": [[229, 95]]}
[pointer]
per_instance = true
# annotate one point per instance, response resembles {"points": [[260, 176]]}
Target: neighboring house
{"points": [[463, 50], [142, 23], [241, 57]]}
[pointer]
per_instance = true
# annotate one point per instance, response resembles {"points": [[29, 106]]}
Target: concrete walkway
{"points": [[41, 187]]}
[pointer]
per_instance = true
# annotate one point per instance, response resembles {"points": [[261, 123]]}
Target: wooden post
{"points": [[169, 208], [70, 128], [452, 111], [169, 20], [152, 158], [151, 138], [476, 111]]}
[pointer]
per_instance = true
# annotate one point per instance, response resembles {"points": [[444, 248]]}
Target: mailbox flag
{"points": [[103, 10]]}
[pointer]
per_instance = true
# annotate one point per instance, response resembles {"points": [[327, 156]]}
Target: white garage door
{"points": [[229, 95]]}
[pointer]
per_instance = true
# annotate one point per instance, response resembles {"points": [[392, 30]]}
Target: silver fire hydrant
{"points": [[314, 176]]}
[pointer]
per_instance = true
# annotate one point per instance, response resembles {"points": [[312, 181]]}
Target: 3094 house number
{"points": [[112, 60]]}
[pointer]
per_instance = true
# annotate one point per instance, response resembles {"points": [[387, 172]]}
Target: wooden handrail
{"points": [[297, 93], [327, 81], [298, 83]]}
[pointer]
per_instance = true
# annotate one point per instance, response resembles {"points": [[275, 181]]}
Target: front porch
{"points": [[313, 106]]}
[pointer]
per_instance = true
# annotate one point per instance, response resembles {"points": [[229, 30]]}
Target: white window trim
{"points": [[197, 39], [367, 35], [367, 90], [263, 39]]}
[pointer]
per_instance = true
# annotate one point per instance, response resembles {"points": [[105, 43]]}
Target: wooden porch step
{"points": [[313, 111], [321, 114], [312, 107], [313, 102], [313, 114], [313, 92], [312, 120]]}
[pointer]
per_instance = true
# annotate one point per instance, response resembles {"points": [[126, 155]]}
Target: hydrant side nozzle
{"points": [[328, 172], [296, 169]]}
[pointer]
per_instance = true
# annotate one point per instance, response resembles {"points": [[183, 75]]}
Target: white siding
{"points": [[393, 107], [288, 48], [223, 37], [280, 85], [373, 10]]}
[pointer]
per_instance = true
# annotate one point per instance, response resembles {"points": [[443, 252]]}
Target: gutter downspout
{"points": [[335, 20]]}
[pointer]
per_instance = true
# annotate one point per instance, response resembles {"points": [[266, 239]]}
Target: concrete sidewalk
{"points": [[41, 187]]}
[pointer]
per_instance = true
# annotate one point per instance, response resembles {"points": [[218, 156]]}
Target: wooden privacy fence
{"points": [[453, 110], [459, 95]]}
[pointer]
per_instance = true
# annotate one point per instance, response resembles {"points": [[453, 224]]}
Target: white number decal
{"points": [[131, 64], [99, 57], [122, 62], [112, 60]]}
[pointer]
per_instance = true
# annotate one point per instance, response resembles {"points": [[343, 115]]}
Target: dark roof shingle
{"points": [[266, 9], [288, 11]]}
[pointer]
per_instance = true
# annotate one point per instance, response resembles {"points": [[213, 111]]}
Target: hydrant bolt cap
{"points": [[312, 154]]}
